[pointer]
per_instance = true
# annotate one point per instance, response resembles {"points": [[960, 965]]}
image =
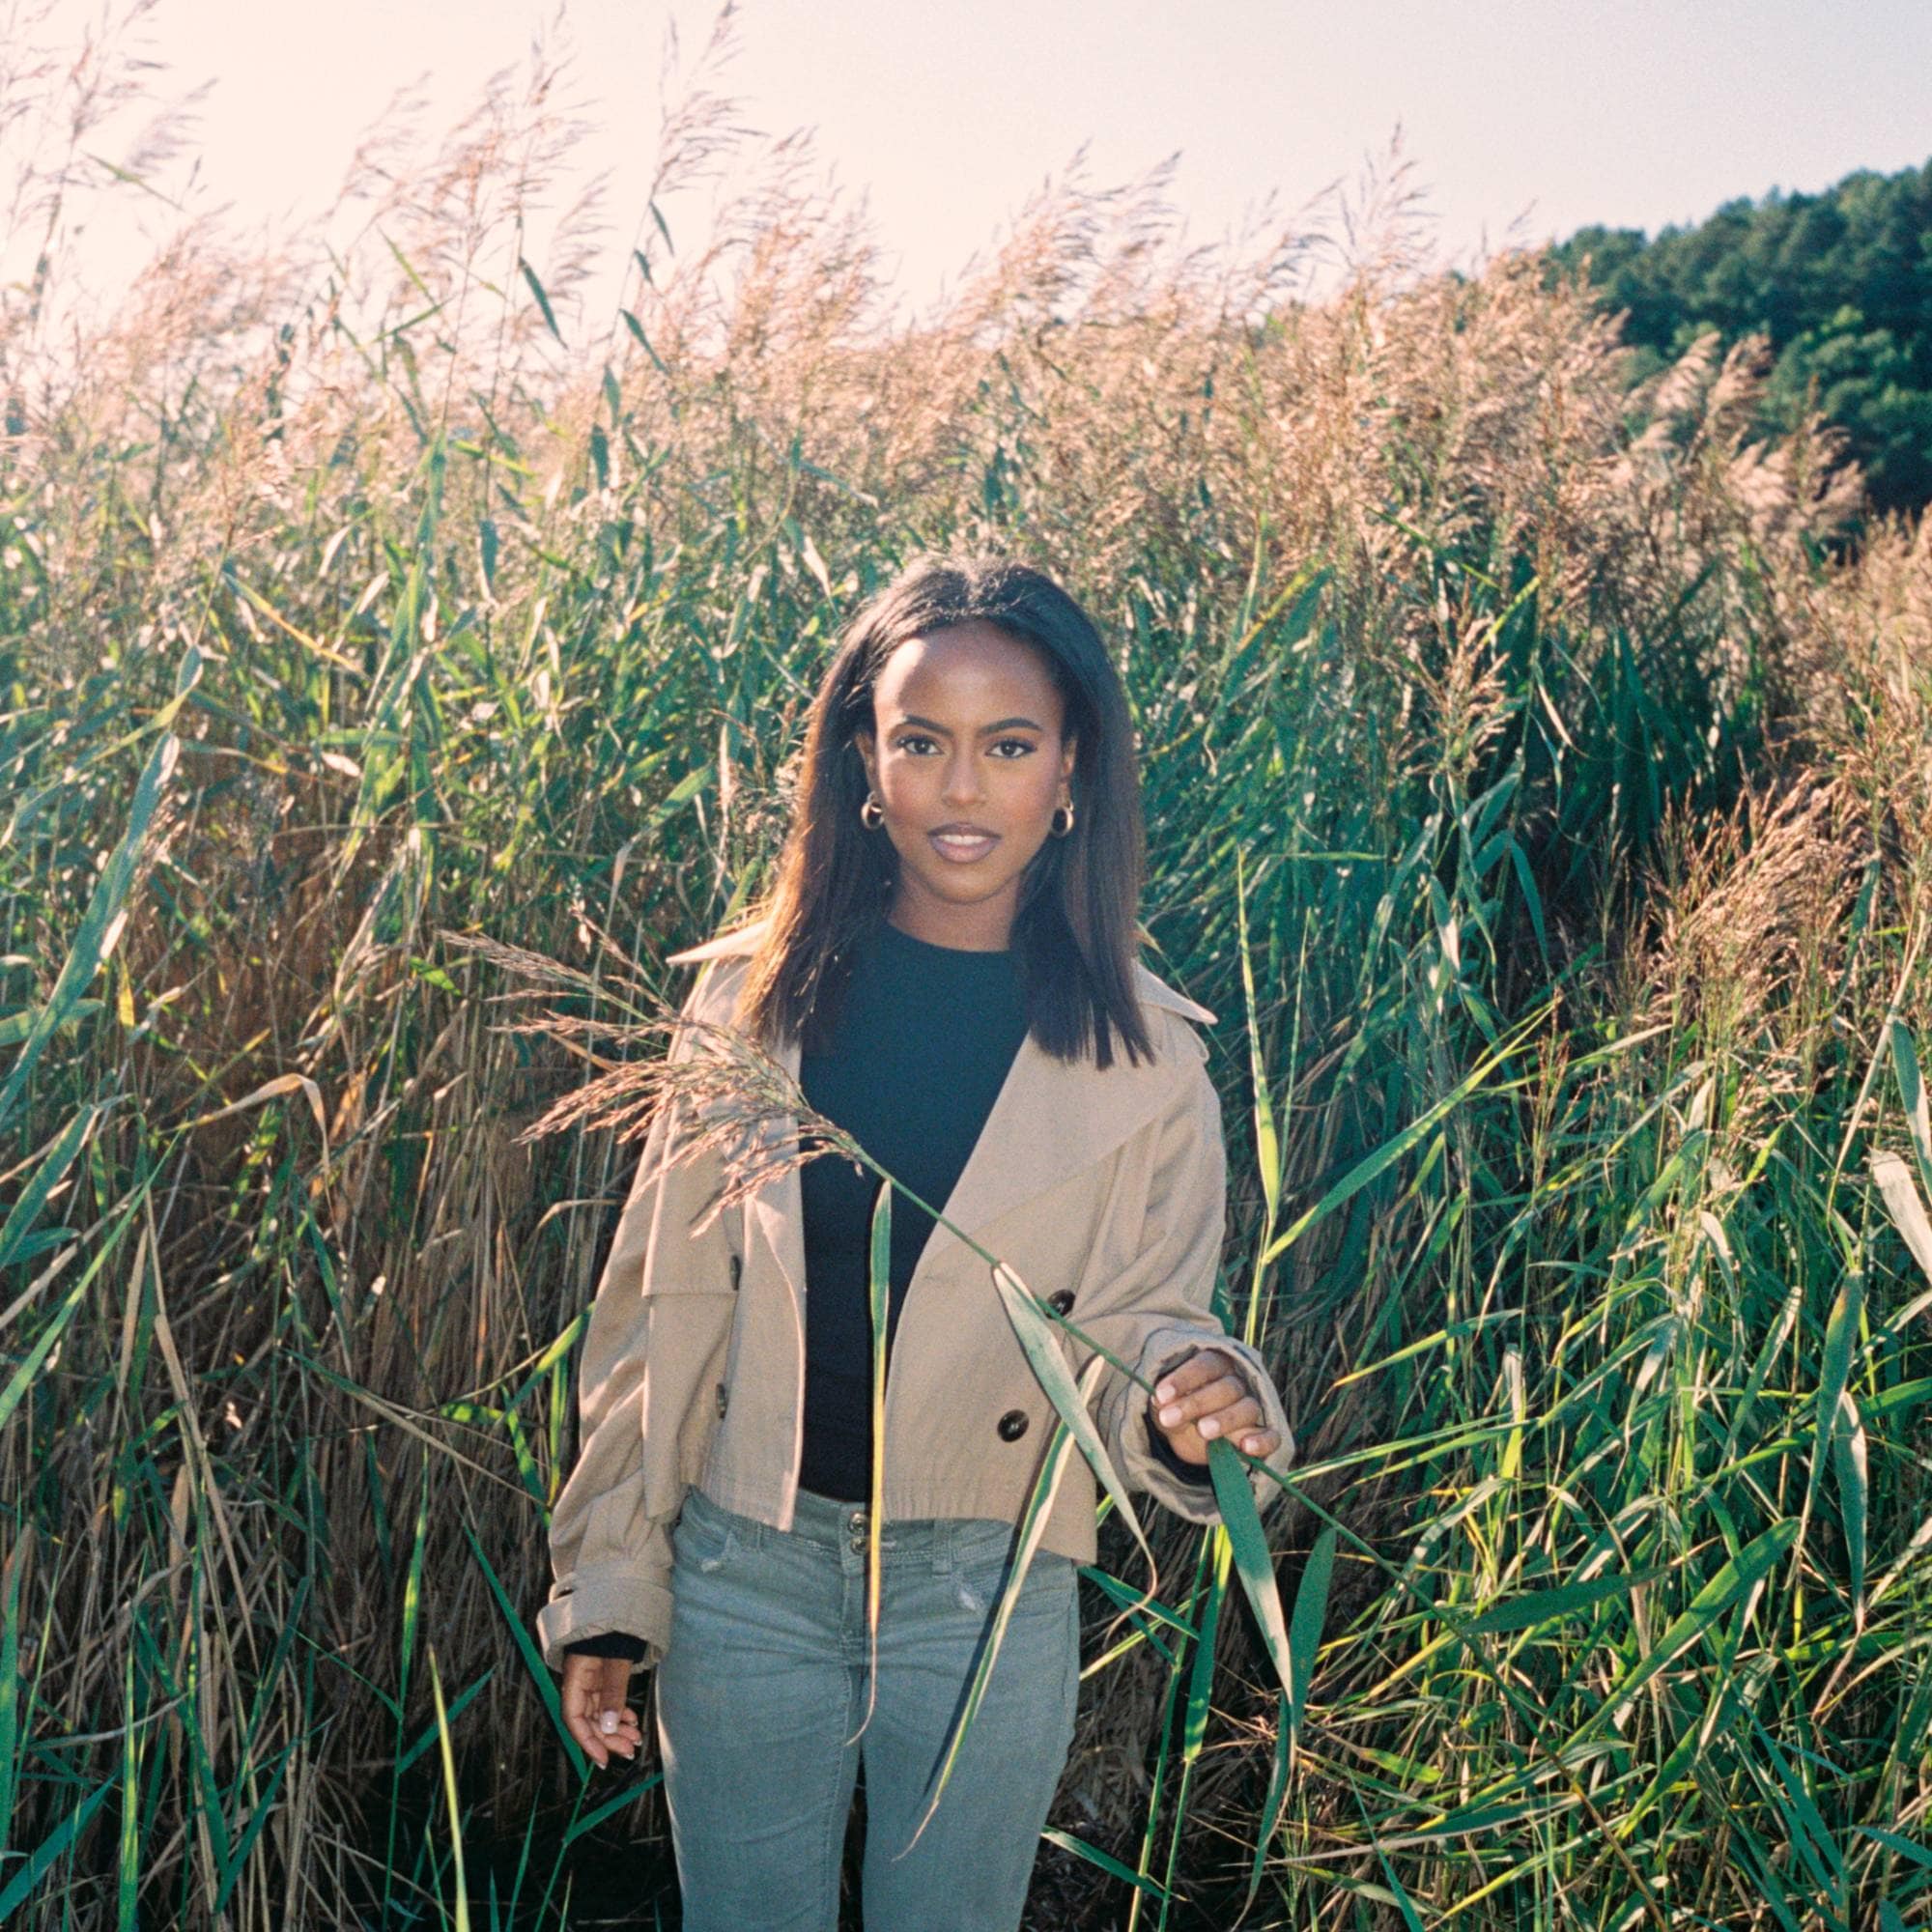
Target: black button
{"points": [[722, 1398], [1062, 1301], [1012, 1425]]}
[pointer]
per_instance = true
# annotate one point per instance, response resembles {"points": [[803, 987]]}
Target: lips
{"points": [[962, 844]]}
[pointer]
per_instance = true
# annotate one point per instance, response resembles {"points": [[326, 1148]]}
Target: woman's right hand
{"points": [[594, 1710]]}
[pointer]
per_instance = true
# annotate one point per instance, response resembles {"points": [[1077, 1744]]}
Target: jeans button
{"points": [[1062, 1302]]}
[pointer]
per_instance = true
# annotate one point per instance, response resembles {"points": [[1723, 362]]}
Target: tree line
{"points": [[1839, 281]]}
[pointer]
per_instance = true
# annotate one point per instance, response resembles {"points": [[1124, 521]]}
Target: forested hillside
{"points": [[1840, 283]]}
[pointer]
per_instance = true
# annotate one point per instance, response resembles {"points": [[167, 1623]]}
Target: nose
{"points": [[962, 776]]}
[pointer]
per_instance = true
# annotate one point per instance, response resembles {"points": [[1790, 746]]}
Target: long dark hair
{"points": [[1075, 930]]}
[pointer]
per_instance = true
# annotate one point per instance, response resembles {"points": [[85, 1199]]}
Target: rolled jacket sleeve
{"points": [[659, 1331], [1161, 1312]]}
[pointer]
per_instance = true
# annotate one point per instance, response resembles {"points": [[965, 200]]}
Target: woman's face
{"points": [[967, 760]]}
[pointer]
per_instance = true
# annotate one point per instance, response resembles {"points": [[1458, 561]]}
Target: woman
{"points": [[947, 966]]}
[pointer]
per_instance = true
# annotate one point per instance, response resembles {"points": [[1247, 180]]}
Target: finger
{"points": [[589, 1741], [618, 1731], [1229, 1421], [1203, 1365], [1203, 1400], [586, 1702]]}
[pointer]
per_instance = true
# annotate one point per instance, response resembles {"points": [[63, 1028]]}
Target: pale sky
{"points": [[1545, 114]]}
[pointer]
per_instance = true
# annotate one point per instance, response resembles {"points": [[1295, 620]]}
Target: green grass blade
{"points": [[1267, 1143], [1136, 1602], [1912, 1850], [532, 1662], [1386, 1155], [1411, 1920], [130, 1874], [102, 923], [1163, 1753], [32, 1362], [413, 1593], [1201, 1676], [1272, 1803], [1841, 1333], [879, 1305], [1741, 1574], [1689, 1749], [55, 1161], [1103, 1861], [610, 1807], [264, 1809], [457, 1706], [1039, 1336], [19, 1887], [1252, 1562], [1912, 1097], [1903, 1203], [449, 1793], [536, 287], [1852, 1468], [1535, 1607], [1304, 1642], [1808, 1825], [1305, 1626], [1195, 1710], [637, 330], [1026, 1541], [10, 1686]]}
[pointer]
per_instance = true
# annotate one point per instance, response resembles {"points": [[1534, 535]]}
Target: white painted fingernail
{"points": [[1170, 1417], [607, 1722], [1210, 1427]]}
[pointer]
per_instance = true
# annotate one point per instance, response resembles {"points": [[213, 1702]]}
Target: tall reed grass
{"points": [[1563, 791]]}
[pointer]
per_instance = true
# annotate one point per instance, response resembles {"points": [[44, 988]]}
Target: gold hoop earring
{"points": [[1061, 831], [872, 814]]}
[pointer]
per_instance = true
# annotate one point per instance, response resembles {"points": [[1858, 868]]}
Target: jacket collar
{"points": [[1050, 1121]]}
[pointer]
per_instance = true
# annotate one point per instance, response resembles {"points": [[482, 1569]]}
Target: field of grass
{"points": [[1571, 789]]}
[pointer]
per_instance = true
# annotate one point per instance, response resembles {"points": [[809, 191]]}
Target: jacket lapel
{"points": [[1050, 1121]]}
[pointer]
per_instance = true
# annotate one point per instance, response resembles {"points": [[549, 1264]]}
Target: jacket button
{"points": [[723, 1396], [1061, 1302], [1012, 1425]]}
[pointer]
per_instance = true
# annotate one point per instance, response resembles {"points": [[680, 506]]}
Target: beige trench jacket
{"points": [[1105, 1188]]}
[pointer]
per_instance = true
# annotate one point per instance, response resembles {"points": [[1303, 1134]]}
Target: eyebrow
{"points": [[999, 724]]}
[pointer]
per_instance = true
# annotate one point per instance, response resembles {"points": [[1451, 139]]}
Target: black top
{"points": [[925, 1038], [924, 1042]]}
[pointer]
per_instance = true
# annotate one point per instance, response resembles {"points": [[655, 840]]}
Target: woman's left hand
{"points": [[1207, 1395]]}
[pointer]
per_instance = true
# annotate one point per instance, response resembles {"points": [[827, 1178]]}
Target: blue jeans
{"points": [[764, 1683]]}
